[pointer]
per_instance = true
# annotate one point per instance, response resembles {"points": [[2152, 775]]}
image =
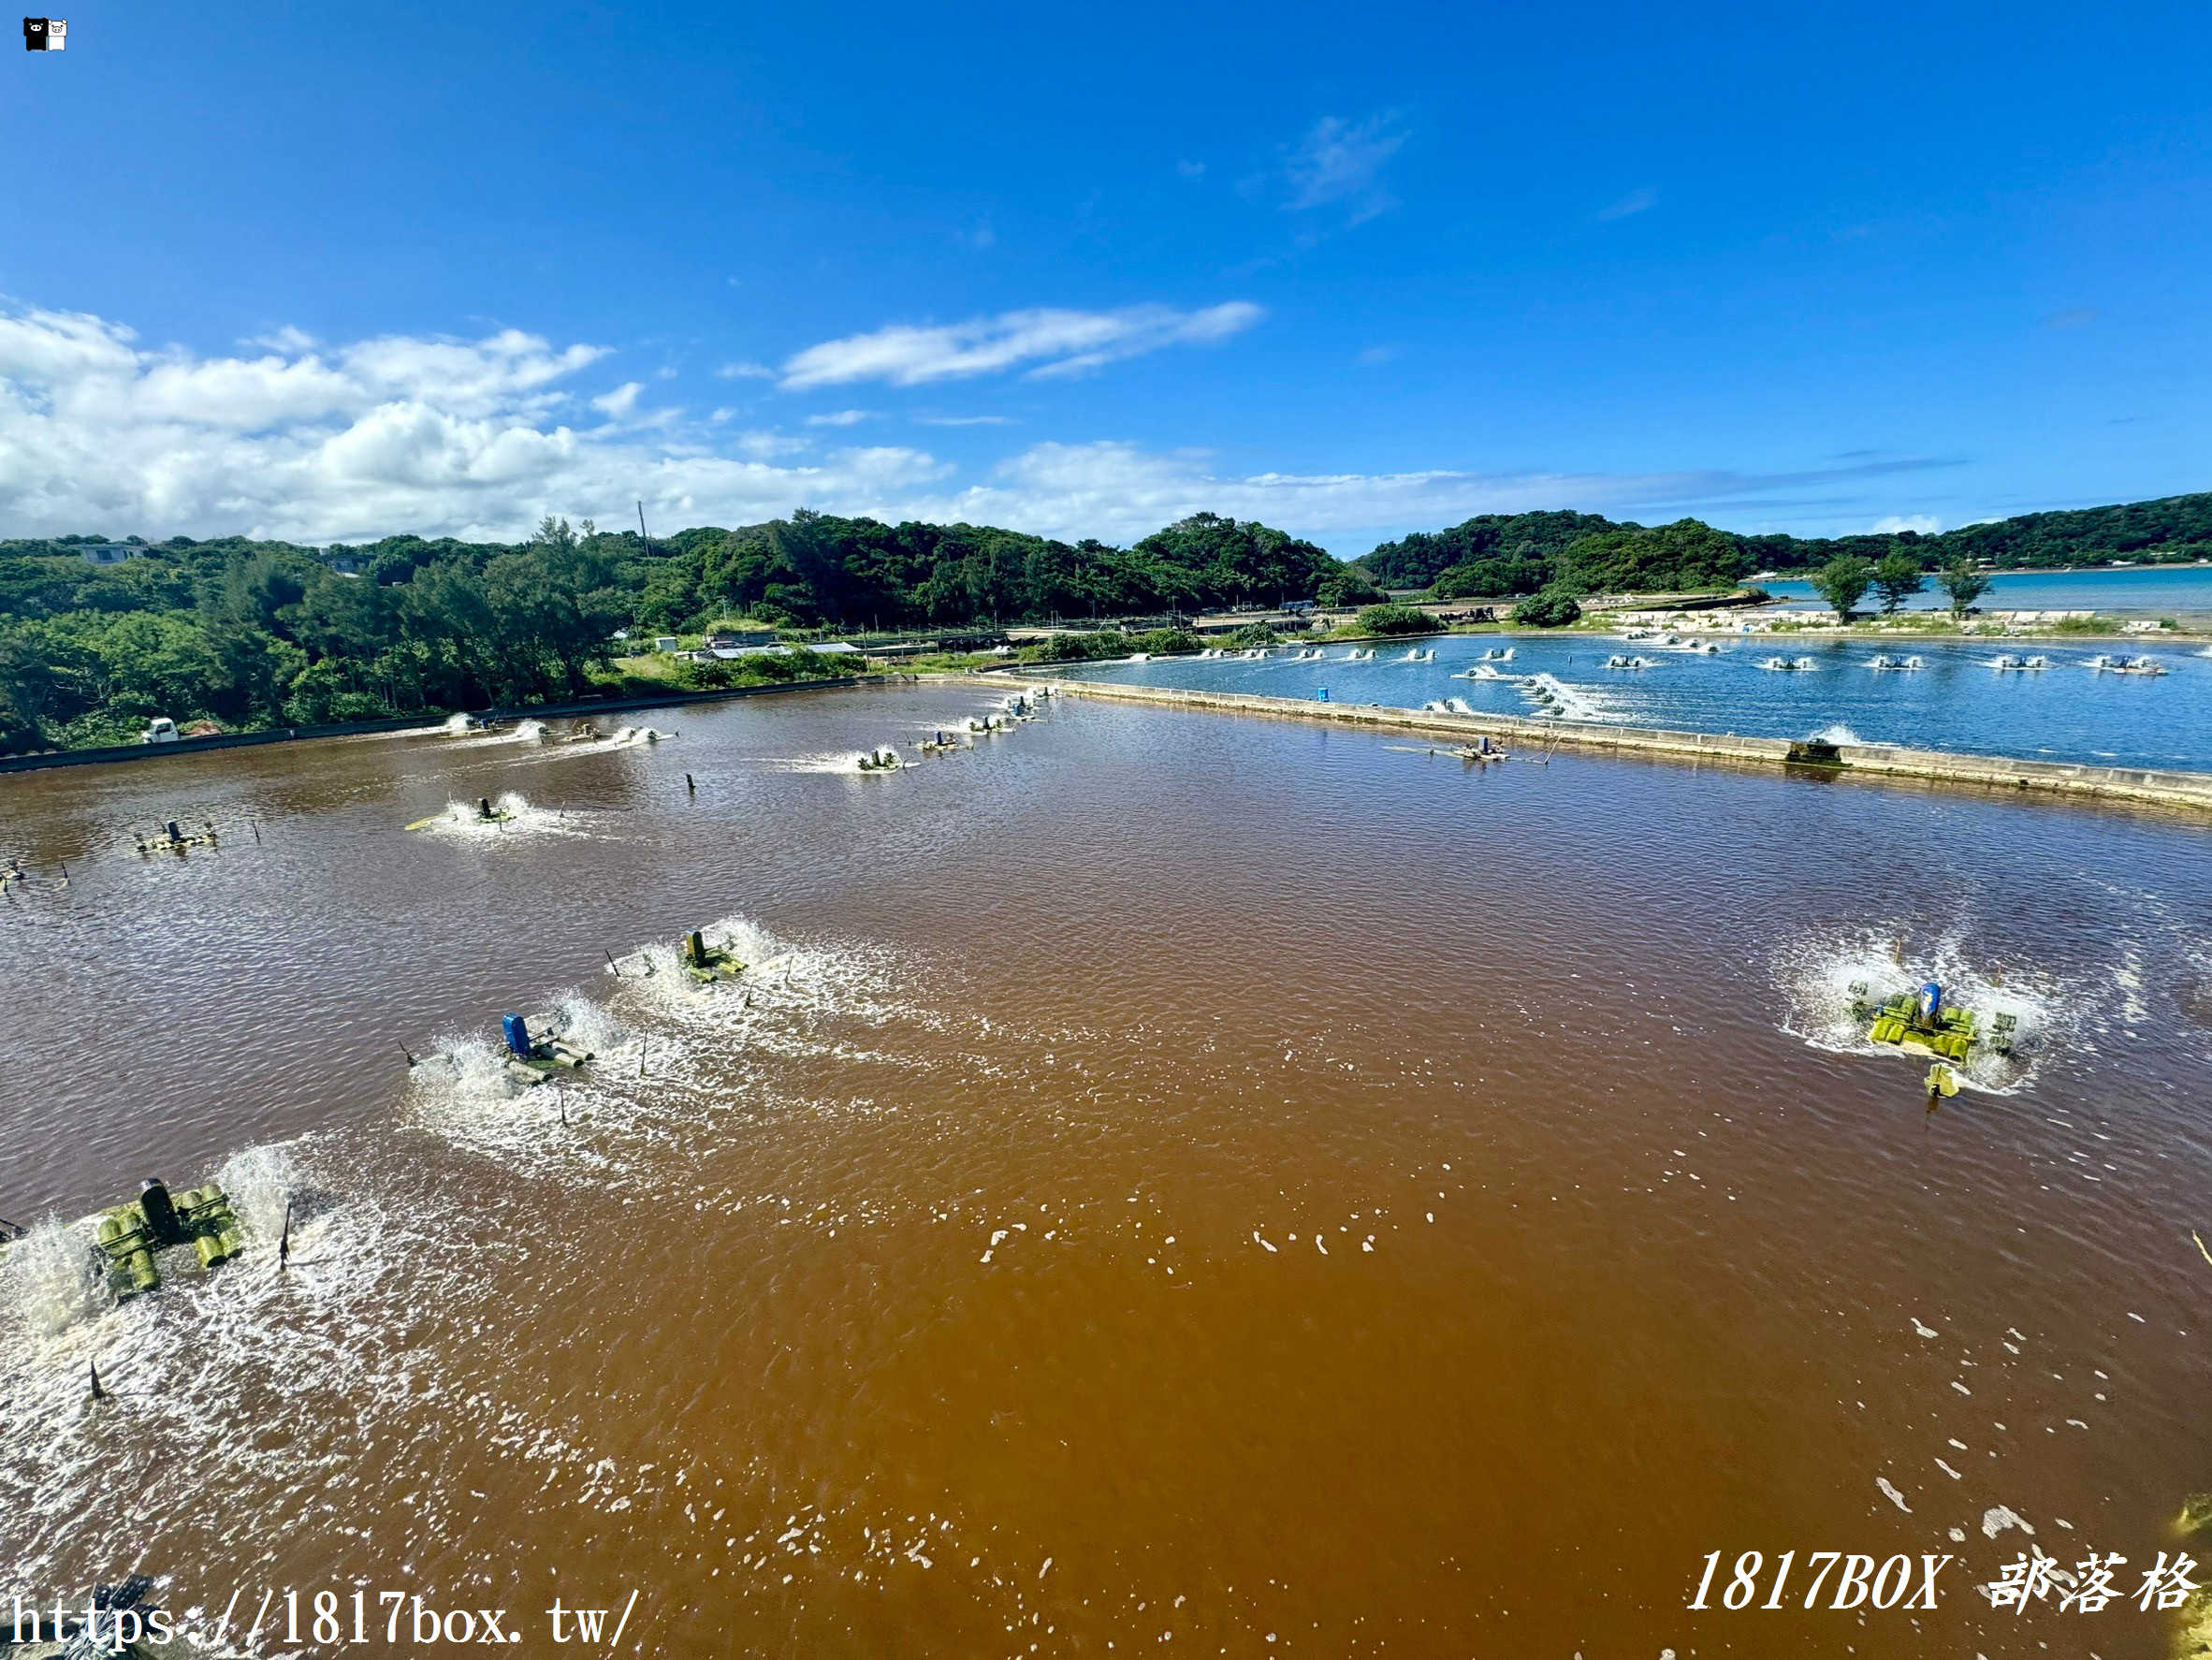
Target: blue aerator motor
{"points": [[517, 1030], [1931, 1003]]}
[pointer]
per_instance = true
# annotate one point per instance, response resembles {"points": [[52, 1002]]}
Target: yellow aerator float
{"points": [[705, 963], [1923, 1022], [171, 838], [485, 814], [130, 1236]]}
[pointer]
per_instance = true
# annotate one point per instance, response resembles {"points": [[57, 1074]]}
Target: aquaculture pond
{"points": [[1168, 1183], [1955, 696]]}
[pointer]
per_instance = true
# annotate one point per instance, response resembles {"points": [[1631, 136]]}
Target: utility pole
{"points": [[641, 530]]}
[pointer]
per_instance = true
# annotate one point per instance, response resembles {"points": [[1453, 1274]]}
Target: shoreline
{"points": [[2189, 792], [2193, 564], [300, 735]]}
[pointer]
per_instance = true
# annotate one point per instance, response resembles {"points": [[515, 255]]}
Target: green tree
{"points": [[1502, 576], [1251, 634], [1897, 579], [1843, 582], [1551, 608], [1348, 587], [321, 696], [46, 682], [1964, 585], [1398, 619], [1681, 557]]}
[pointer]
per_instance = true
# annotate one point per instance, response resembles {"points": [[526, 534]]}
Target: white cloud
{"points": [[348, 443], [1118, 492], [1925, 524], [1340, 161], [945, 421], [287, 339], [1636, 201], [1051, 341], [768, 446], [620, 401], [468, 438], [842, 417], [745, 371]]}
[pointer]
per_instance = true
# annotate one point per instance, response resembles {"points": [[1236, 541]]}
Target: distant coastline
{"points": [[2167, 590]]}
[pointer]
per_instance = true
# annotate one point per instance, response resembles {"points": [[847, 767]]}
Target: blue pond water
{"points": [[1958, 701], [2139, 591]]}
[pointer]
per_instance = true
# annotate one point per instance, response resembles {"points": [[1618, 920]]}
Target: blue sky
{"points": [[335, 272]]}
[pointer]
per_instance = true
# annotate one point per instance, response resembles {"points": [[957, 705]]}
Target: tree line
{"points": [[255, 633], [248, 633], [1507, 555]]}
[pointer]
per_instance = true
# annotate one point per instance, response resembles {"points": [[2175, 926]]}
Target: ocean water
{"points": [[2139, 591], [1171, 1183], [1957, 701]]}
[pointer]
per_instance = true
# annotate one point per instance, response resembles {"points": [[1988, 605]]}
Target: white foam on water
{"points": [[464, 1068], [846, 761], [521, 731], [589, 742], [1996, 1517], [637, 1079], [719, 1057], [587, 1025], [1837, 733], [243, 1402], [462, 821], [468, 1074], [1815, 974], [1552, 695], [259, 1183], [218, 1432], [49, 1279]]}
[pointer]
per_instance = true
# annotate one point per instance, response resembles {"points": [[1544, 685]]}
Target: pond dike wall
{"points": [[2190, 792]]}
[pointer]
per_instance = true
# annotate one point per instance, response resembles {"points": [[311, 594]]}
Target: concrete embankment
{"points": [[2190, 792]]}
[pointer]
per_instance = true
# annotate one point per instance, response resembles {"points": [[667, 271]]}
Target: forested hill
{"points": [[1520, 553], [262, 633]]}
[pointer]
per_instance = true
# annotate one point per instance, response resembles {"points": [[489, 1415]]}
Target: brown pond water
{"points": [[1227, 1185]]}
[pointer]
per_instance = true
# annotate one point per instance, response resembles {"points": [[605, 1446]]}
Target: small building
{"points": [[110, 553], [665, 641], [724, 638]]}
